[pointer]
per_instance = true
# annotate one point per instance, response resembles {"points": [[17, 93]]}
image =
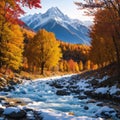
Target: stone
{"points": [[18, 102], [106, 115], [82, 97], [28, 109], [1, 110], [15, 114], [12, 82], [91, 101], [57, 85], [89, 93], [11, 88], [62, 92], [2, 98], [100, 104], [86, 107], [76, 91]]}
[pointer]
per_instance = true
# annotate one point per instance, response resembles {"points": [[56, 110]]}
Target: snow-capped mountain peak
{"points": [[65, 28], [54, 11]]}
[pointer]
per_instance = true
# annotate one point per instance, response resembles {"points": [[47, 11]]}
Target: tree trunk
{"points": [[42, 68], [117, 56]]}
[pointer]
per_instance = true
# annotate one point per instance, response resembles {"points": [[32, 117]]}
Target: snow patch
{"points": [[103, 79], [10, 110], [106, 110], [51, 115], [83, 85], [102, 90], [114, 89]]}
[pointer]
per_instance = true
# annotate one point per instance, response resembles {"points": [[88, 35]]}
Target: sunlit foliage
{"points": [[44, 50]]}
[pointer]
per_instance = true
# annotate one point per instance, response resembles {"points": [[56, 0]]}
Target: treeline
{"points": [[74, 57], [76, 52], [63, 57], [22, 49]]}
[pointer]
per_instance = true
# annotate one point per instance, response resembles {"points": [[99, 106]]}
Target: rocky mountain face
{"points": [[66, 29]]}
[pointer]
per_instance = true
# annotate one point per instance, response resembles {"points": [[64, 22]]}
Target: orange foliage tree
{"points": [[103, 33], [110, 9], [10, 11]]}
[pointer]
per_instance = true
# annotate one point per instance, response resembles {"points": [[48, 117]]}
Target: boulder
{"points": [[63, 92], [91, 101], [12, 82], [14, 112], [86, 107], [56, 85], [100, 104], [1, 110], [82, 97]]}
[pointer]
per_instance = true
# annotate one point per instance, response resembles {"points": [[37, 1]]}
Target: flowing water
{"points": [[39, 95]]}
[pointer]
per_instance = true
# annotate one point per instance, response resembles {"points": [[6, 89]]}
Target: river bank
{"points": [[65, 96]]}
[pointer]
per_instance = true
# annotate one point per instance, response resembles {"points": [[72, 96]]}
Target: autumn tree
{"points": [[112, 8], [10, 11], [88, 65], [76, 67], [12, 47], [45, 50], [28, 35], [61, 66], [105, 51], [11, 43], [80, 65], [65, 66], [71, 65]]}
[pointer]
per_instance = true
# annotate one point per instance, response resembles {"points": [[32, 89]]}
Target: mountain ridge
{"points": [[65, 29]]}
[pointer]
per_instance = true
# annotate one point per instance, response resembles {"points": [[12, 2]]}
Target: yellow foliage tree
{"points": [[80, 65], [11, 47], [45, 50]]}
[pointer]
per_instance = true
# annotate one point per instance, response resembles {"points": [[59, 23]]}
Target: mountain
{"points": [[65, 28], [88, 23]]}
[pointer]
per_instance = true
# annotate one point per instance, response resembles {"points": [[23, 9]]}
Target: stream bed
{"points": [[39, 95]]}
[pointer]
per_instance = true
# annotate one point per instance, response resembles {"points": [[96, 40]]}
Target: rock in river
{"points": [[14, 112]]}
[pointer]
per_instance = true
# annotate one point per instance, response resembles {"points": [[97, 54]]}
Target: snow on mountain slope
{"points": [[65, 29]]}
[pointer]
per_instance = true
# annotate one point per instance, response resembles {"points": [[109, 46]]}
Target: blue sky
{"points": [[66, 6]]}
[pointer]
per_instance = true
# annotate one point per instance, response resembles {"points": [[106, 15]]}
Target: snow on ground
{"points": [[102, 90], [51, 115], [103, 79], [9, 110], [114, 89], [106, 111], [39, 95], [84, 85]]}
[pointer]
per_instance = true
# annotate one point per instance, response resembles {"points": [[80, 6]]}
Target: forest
{"points": [[35, 52], [30, 51]]}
